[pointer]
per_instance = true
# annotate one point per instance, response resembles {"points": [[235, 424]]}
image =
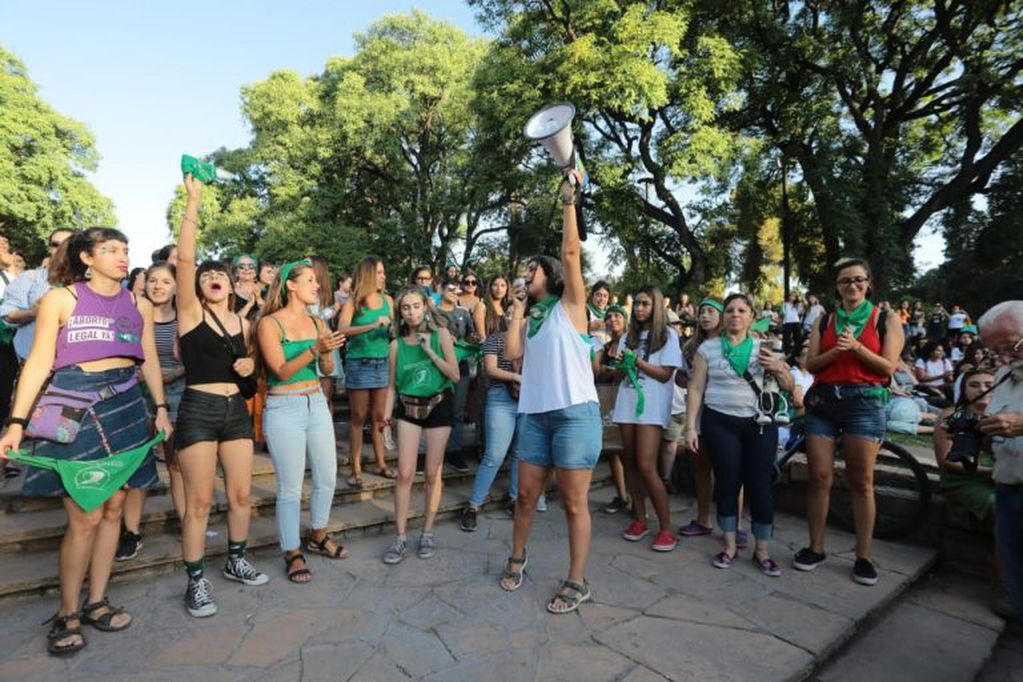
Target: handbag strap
{"points": [[225, 336]]}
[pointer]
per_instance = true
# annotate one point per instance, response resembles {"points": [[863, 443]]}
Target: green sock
{"points": [[236, 548], [194, 569]]}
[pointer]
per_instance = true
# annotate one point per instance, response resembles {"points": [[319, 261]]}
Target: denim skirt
{"points": [[124, 421], [367, 373]]}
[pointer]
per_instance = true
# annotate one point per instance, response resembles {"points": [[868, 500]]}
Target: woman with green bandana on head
{"points": [[851, 367], [292, 345], [615, 321], [596, 310], [727, 379], [562, 427]]}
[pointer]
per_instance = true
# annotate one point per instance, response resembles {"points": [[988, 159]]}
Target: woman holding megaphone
{"points": [[562, 427]]}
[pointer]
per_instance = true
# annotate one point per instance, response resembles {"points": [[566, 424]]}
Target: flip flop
{"points": [[387, 472], [355, 482]]}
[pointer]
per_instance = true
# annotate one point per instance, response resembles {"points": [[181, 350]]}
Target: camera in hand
{"points": [[967, 438]]}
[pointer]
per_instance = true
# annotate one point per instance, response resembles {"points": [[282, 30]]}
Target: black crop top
{"points": [[205, 356]]}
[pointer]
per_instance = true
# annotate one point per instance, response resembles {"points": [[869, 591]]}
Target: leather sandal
{"points": [[311, 544], [60, 630], [104, 621], [294, 576]]}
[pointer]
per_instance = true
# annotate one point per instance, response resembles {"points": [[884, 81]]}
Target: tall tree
{"points": [[649, 88], [894, 110], [44, 158]]}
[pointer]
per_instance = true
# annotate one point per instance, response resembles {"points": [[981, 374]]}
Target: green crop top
{"points": [[292, 349], [415, 374], [375, 343]]}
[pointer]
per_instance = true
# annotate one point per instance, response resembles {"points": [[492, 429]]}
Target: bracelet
{"points": [[314, 353], [163, 405], [567, 202], [20, 421]]}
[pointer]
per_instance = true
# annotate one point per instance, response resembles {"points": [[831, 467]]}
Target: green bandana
{"points": [[857, 319], [286, 271], [737, 355], [538, 313], [615, 308], [465, 350], [597, 313], [627, 364], [90, 483], [761, 326], [712, 303]]}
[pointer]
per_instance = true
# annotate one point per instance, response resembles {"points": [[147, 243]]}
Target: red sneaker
{"points": [[636, 531], [664, 542]]}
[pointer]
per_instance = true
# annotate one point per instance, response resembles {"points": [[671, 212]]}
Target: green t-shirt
{"points": [[415, 374], [375, 343]]}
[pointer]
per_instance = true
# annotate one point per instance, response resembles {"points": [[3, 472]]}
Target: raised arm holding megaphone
{"points": [[552, 127]]}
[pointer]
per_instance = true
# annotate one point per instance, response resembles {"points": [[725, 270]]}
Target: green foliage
{"points": [[44, 158]]}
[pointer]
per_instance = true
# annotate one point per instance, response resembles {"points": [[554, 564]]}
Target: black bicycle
{"points": [[901, 486]]}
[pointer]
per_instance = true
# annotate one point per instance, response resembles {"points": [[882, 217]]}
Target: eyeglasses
{"points": [[426, 279], [470, 282], [1009, 350], [246, 266], [846, 281]]}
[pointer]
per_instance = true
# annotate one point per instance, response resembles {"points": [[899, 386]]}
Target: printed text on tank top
{"points": [[99, 327]]}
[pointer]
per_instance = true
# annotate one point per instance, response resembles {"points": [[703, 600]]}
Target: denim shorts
{"points": [[205, 417], [852, 413], [367, 373], [569, 438]]}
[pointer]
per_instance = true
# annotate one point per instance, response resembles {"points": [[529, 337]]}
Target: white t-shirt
{"points": [[803, 379], [659, 396], [957, 355], [791, 313], [933, 367], [812, 314], [956, 321]]}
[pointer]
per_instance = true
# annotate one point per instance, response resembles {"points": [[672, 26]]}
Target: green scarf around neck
{"points": [[738, 355], [856, 319], [92, 482], [627, 364], [597, 313], [539, 312]]}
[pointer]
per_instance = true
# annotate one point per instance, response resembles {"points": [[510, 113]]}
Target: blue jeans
{"points": [[1009, 539], [461, 394], [501, 422], [299, 427], [742, 453]]}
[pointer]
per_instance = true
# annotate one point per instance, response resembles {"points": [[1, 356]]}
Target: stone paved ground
{"points": [[654, 616]]}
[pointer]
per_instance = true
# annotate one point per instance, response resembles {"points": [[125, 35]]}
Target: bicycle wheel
{"points": [[901, 489]]}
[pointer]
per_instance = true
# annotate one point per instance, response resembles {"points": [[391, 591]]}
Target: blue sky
{"points": [[153, 80]]}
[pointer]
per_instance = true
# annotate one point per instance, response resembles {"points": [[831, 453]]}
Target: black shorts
{"points": [[209, 417], [443, 414]]}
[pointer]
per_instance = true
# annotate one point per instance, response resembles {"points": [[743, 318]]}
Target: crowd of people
{"points": [[222, 358]]}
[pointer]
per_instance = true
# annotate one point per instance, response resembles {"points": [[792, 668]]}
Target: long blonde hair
{"points": [[365, 281], [273, 302], [657, 324], [398, 326]]}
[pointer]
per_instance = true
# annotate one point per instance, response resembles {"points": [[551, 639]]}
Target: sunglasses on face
{"points": [[246, 266], [469, 282], [846, 281]]}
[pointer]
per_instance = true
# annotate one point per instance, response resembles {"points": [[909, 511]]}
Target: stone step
{"points": [[940, 629], [37, 570], [44, 529]]}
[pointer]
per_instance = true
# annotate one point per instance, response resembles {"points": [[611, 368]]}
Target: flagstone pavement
{"points": [[653, 616]]}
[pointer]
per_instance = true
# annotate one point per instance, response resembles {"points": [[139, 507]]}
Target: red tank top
{"points": [[847, 368]]}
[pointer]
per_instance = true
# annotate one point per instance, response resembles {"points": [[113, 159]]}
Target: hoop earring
{"points": [[88, 272]]}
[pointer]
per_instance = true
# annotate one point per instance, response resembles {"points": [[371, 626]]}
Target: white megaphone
{"points": [[552, 127]]}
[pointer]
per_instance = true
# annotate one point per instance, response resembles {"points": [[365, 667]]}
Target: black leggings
{"points": [[743, 454]]}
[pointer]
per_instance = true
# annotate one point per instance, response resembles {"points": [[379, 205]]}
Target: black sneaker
{"points": [[864, 572], [199, 598], [469, 520], [616, 505], [240, 570], [806, 559], [128, 547], [458, 463]]}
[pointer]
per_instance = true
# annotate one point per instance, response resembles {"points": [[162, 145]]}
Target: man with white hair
{"points": [[1001, 329]]}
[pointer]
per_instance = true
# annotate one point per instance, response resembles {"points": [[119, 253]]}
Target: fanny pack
{"points": [[59, 412], [418, 408], [826, 400]]}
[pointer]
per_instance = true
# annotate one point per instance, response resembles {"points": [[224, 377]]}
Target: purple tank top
{"points": [[99, 327]]}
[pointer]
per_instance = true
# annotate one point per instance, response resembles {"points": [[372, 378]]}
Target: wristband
{"points": [[164, 406], [20, 421], [314, 353]]}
